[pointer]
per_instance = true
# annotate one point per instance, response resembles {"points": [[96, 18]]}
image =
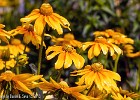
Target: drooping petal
{"points": [[52, 55], [68, 61], [81, 60], [53, 48], [27, 38], [90, 53], [39, 25], [33, 78], [60, 61], [75, 60], [104, 48], [20, 86], [112, 75], [97, 49], [117, 49], [86, 45], [55, 23]]}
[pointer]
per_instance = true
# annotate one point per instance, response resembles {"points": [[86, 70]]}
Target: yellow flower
{"points": [[117, 96], [9, 64], [46, 15], [108, 33], [114, 37], [98, 45], [67, 54], [29, 34], [68, 39], [97, 94], [124, 95], [23, 82], [128, 51], [15, 47], [63, 86], [4, 35], [103, 78]]}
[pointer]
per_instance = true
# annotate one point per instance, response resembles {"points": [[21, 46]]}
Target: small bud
{"points": [[5, 55]]}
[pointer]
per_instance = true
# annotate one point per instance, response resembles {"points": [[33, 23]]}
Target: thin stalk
{"points": [[90, 88], [116, 63], [138, 78], [40, 52], [59, 75], [5, 65]]}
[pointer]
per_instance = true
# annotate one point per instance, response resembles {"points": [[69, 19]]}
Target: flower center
{"points": [[97, 67], [29, 27], [46, 9], [68, 48]]}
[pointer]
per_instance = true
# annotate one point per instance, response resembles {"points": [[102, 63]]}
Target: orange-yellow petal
{"points": [[52, 55], [60, 61], [97, 49], [39, 25], [68, 61], [90, 52]]}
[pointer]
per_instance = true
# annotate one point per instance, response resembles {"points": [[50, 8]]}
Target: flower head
{"points": [[124, 95], [29, 34], [103, 78], [9, 64], [4, 35], [22, 82], [63, 86], [114, 37], [66, 54], [100, 44], [46, 15], [16, 47], [68, 39]]}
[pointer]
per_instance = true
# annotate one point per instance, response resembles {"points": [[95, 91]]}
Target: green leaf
{"points": [[106, 9], [100, 2], [85, 30]]}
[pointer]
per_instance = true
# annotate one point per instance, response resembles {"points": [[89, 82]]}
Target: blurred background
{"points": [[86, 17]]}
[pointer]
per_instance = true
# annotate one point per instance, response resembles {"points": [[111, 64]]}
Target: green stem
{"points": [[5, 65], [116, 63], [59, 75], [40, 53], [90, 88], [138, 78], [17, 70]]}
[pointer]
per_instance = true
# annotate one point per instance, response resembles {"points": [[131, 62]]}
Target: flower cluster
{"points": [[92, 79]]}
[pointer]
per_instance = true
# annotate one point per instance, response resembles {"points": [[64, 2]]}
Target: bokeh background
{"points": [[85, 17]]}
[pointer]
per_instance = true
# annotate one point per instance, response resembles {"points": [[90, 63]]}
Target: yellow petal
{"points": [[39, 25], [60, 61], [81, 60], [53, 48], [88, 80], [64, 22], [111, 51], [75, 60], [104, 48], [81, 80], [86, 45], [97, 49], [20, 86], [112, 75], [27, 38], [55, 24], [52, 55], [33, 78], [90, 53], [98, 82], [117, 49], [68, 61]]}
